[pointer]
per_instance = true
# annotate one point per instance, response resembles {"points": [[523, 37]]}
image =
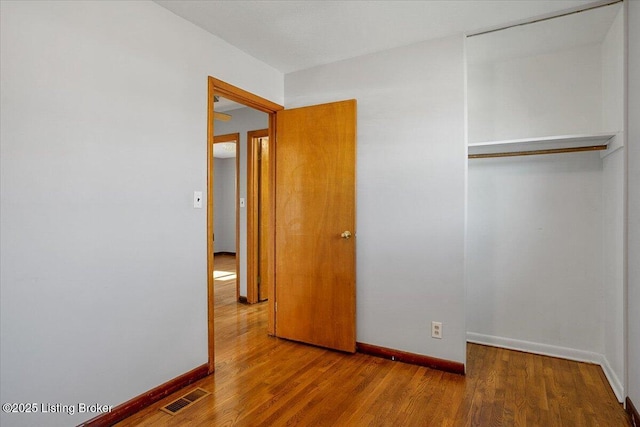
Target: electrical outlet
{"points": [[436, 330]]}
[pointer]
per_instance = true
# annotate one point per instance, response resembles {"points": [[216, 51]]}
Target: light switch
{"points": [[242, 202], [197, 199]]}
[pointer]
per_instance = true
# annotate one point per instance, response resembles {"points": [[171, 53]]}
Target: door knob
{"points": [[346, 234]]}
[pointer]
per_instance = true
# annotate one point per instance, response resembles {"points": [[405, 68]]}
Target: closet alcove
{"points": [[546, 188]]}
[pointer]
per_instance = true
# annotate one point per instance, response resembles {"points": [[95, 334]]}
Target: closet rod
{"points": [[545, 19], [536, 152]]}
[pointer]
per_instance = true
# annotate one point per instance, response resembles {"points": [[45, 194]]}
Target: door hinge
{"points": [[259, 280], [276, 306]]}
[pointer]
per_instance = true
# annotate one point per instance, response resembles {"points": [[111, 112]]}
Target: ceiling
{"points": [[224, 104], [292, 35], [224, 150]]}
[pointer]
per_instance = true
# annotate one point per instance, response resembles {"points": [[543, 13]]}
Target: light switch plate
{"points": [[197, 199]]}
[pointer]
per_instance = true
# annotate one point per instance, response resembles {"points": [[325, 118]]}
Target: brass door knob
{"points": [[346, 235]]}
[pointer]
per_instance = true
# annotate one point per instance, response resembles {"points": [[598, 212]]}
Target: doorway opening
{"points": [[226, 238], [314, 218], [216, 90]]}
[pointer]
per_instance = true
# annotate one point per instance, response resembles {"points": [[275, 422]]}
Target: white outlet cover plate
{"points": [[197, 199]]}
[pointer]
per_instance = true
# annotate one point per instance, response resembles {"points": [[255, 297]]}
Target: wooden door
{"points": [[315, 225]]}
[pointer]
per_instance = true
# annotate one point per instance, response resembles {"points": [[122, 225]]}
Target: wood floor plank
{"points": [[266, 381]]}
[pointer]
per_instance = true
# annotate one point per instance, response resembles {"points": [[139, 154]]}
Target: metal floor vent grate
{"points": [[184, 401]]}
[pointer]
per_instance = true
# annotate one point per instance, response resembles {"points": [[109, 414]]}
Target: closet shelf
{"points": [[543, 145]]}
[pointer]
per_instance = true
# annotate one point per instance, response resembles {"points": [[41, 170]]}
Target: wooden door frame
{"points": [[253, 216], [233, 93], [220, 139]]}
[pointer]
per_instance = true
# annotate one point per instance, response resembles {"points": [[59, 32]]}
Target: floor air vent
{"points": [[184, 401]]}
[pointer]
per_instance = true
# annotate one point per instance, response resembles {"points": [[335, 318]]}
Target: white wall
{"points": [[633, 153], [613, 269], [534, 248], [103, 141], [225, 205], [556, 93], [613, 207], [410, 189], [243, 120]]}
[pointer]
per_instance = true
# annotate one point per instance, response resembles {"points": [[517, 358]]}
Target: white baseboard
{"points": [[553, 351], [614, 381]]}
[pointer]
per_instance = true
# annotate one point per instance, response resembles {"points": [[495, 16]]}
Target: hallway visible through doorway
{"points": [[235, 322]]}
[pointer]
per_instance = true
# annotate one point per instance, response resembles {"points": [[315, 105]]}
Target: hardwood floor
{"points": [[260, 380]]}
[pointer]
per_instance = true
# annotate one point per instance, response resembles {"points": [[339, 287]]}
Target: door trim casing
{"points": [[253, 216], [233, 93]]}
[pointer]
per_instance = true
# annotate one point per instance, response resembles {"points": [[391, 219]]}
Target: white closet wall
{"points": [[544, 260], [555, 93], [534, 253], [613, 204]]}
